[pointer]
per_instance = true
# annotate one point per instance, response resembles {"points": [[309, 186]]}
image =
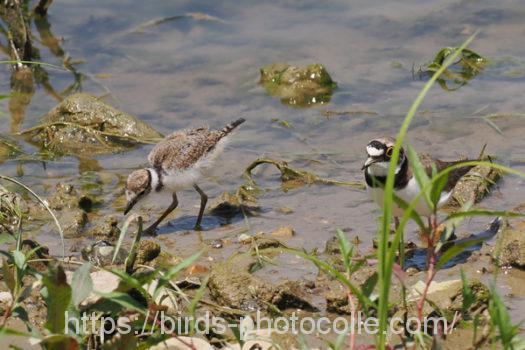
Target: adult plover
{"points": [[177, 162], [379, 152]]}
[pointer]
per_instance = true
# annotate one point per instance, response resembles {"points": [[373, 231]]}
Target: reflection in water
{"points": [[20, 50], [22, 91]]}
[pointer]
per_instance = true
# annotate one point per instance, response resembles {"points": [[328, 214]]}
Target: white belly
{"points": [[408, 194], [177, 180]]}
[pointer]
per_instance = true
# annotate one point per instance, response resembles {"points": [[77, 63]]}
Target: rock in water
{"points": [[83, 125], [298, 86]]}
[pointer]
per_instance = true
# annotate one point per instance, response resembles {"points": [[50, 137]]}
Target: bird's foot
{"points": [[198, 227]]}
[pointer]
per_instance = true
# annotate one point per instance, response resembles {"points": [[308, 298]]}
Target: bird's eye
{"points": [[389, 151]]}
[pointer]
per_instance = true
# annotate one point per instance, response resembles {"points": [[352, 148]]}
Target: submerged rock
{"points": [[232, 285], [230, 204], [66, 196], [73, 222], [510, 247], [83, 125], [298, 86], [10, 213], [108, 229]]}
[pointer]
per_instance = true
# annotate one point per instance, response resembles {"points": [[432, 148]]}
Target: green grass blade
{"points": [[44, 203], [385, 259]]}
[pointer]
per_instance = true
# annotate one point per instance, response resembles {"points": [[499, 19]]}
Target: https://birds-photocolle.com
{"points": [[177, 162], [379, 151]]}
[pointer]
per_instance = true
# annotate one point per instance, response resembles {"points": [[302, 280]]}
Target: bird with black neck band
{"points": [[406, 187]]}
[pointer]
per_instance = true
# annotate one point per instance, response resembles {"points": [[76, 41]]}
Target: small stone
{"points": [[411, 271], [285, 210], [197, 270], [214, 243], [284, 232], [6, 298], [244, 238]]}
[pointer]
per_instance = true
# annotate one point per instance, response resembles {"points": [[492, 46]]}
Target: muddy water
{"points": [[195, 70]]}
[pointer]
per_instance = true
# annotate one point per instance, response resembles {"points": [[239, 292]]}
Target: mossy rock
{"points": [[298, 86], [83, 125], [147, 251], [510, 247], [475, 185], [231, 284]]}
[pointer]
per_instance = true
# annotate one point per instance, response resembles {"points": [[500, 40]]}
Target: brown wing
{"points": [[453, 177], [182, 149]]}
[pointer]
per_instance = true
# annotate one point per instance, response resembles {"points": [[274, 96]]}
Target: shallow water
{"points": [[191, 71]]}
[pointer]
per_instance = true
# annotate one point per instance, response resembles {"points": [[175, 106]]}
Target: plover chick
{"points": [[406, 187], [177, 162]]}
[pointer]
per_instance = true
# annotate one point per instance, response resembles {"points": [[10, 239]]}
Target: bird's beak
{"points": [[130, 204], [369, 162]]}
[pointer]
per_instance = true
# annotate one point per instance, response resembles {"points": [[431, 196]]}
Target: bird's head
{"points": [[138, 185], [379, 152]]}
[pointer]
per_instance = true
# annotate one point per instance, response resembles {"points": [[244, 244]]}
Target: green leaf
{"points": [[4, 331], [130, 282], [59, 342], [41, 201], [125, 300], [340, 340], [412, 213], [500, 319], [9, 277], [21, 313], [166, 278], [58, 299], [19, 259], [368, 287], [346, 248], [455, 250], [122, 234], [468, 296], [81, 283], [437, 187], [386, 256], [480, 212], [420, 174], [5, 237], [327, 268], [126, 341]]}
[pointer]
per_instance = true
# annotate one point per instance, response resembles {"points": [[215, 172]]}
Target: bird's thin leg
{"points": [[151, 230], [204, 200]]}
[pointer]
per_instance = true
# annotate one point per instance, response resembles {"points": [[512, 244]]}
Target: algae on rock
{"points": [[298, 86], [83, 125]]}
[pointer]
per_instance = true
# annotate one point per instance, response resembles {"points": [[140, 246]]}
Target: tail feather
{"points": [[230, 127]]}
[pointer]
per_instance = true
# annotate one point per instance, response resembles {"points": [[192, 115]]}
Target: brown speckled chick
{"points": [[177, 162]]}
